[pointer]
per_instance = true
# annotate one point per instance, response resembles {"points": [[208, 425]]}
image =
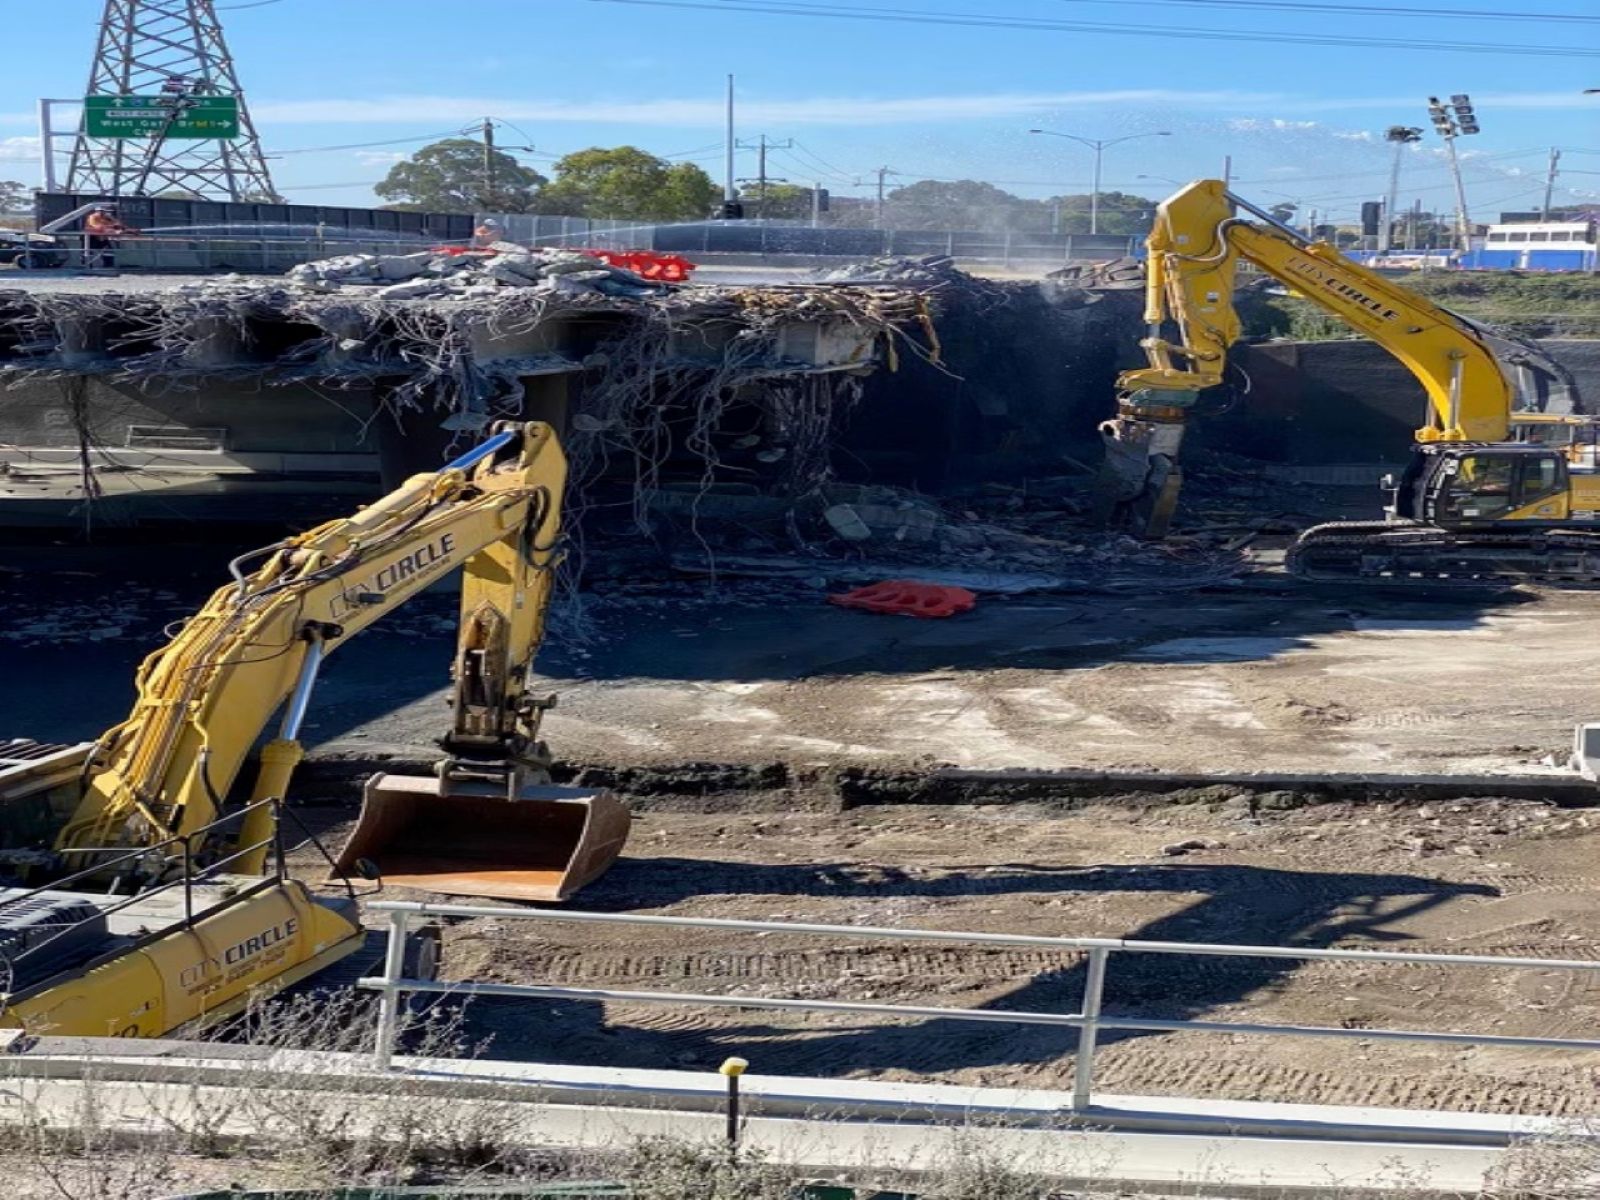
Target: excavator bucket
{"points": [[463, 839]]}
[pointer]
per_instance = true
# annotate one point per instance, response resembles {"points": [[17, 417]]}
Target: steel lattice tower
{"points": [[144, 48]]}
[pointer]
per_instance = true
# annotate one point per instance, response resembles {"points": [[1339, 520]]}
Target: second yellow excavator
{"points": [[1500, 485], [139, 900]]}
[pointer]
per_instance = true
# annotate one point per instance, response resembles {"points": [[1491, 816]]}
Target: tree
{"points": [[782, 202], [625, 183], [13, 197], [958, 204], [1122, 214], [1284, 211], [451, 176]]}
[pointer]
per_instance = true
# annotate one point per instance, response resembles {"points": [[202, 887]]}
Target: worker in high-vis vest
{"points": [[488, 233], [101, 229]]}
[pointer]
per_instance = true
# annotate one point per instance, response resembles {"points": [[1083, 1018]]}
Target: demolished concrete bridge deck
{"points": [[236, 399]]}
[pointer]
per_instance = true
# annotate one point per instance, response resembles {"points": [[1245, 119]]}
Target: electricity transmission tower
{"points": [[173, 49]]}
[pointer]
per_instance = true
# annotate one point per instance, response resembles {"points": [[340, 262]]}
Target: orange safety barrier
{"points": [[659, 268], [908, 598]]}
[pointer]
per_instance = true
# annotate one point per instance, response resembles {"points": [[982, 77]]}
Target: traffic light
{"points": [[1371, 215]]}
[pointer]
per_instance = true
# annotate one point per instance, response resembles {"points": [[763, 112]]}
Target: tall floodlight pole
{"points": [[1098, 145], [164, 109], [1456, 120], [1550, 182], [1401, 136]]}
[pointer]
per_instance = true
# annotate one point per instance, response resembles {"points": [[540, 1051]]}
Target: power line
{"points": [[421, 137], [812, 170], [319, 187], [1386, 10], [815, 157], [698, 150], [981, 20]]}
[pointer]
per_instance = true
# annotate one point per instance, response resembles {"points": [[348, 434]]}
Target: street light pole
{"points": [[1094, 191], [1098, 145]]}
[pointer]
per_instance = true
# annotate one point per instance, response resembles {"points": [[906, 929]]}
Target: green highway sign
{"points": [[161, 116]]}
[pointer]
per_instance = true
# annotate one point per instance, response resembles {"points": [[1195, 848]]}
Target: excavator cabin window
{"points": [[1488, 485]]}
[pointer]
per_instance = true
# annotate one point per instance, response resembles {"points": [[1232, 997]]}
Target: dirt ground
{"points": [[1250, 679], [1484, 876]]}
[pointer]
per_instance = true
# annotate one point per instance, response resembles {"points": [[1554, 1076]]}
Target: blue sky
{"points": [[1301, 122]]}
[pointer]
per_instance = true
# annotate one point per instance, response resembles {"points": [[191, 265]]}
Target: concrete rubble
{"points": [[995, 543], [434, 274]]}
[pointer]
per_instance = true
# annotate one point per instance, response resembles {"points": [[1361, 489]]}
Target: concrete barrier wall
{"points": [[1342, 402]]}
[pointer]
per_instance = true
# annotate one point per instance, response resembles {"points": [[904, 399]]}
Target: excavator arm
{"points": [[255, 648], [1194, 251]]}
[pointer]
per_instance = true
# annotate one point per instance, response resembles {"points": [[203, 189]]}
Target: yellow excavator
{"points": [[142, 900], [1502, 480]]}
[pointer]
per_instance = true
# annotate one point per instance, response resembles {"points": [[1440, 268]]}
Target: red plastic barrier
{"points": [[908, 598], [659, 268]]}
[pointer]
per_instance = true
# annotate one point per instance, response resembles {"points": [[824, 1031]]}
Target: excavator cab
{"points": [[1462, 486]]}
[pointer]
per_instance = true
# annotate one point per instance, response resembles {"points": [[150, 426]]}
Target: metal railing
{"points": [[1089, 1020], [182, 862]]}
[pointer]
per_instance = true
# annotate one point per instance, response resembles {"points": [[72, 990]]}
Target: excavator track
{"points": [[1401, 552]]}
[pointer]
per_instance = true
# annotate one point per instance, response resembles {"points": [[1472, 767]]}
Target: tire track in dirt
{"points": [[842, 965], [1171, 1071]]}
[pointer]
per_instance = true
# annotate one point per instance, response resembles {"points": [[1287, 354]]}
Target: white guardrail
{"points": [[1089, 1020]]}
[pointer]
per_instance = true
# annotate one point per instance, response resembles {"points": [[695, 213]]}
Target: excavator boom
{"points": [[1194, 254], [1492, 491], [132, 834]]}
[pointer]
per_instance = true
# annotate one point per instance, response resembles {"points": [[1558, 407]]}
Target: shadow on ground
{"points": [[1239, 905], [78, 633]]}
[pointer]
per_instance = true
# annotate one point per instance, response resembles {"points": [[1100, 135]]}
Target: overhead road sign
{"points": [[191, 117]]}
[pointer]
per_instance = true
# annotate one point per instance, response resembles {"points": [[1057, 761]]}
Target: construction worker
{"points": [[488, 233], [101, 229]]}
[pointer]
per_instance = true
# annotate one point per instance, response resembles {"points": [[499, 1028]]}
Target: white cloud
{"points": [[1412, 103], [1274, 125], [19, 149], [709, 112], [379, 158], [852, 110], [838, 110]]}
